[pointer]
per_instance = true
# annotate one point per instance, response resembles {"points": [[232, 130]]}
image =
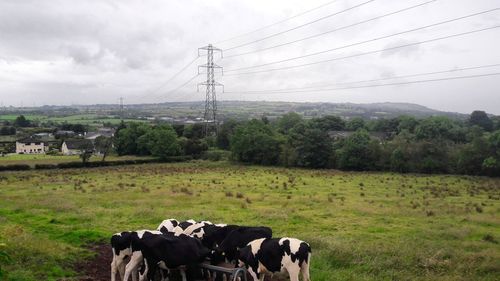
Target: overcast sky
{"points": [[86, 52]]}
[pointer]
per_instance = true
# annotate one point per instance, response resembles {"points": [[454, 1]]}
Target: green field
{"points": [[32, 159], [361, 226], [85, 119]]}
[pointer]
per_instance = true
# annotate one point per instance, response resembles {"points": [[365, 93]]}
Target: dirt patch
{"points": [[98, 267]]}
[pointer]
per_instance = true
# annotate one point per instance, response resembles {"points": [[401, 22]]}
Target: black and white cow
{"points": [[181, 227], [136, 259], [196, 229], [216, 233], [263, 256], [236, 239], [168, 225], [170, 252], [122, 247]]}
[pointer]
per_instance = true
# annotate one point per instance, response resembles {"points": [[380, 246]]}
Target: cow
{"points": [[182, 226], [168, 225], [238, 238], [214, 234], [136, 258], [170, 252], [273, 255], [122, 248]]}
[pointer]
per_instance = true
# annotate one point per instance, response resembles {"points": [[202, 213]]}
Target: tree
{"points": [[355, 123], [288, 121], [255, 142], [103, 145], [87, 151], [437, 128], [21, 121], [384, 125], [194, 131], [313, 148], [481, 119], [408, 123], [357, 152], [77, 128], [126, 140], [225, 133], [6, 131], [161, 141], [399, 161], [329, 123], [195, 147]]}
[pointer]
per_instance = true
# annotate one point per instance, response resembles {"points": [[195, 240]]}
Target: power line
{"points": [[333, 30], [151, 92], [182, 85], [276, 23], [299, 26], [378, 80], [366, 41], [379, 85], [367, 53]]}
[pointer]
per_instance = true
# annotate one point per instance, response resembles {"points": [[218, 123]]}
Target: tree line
{"points": [[403, 144]]}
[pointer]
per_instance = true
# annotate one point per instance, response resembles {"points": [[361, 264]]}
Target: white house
{"points": [[76, 147], [31, 146]]}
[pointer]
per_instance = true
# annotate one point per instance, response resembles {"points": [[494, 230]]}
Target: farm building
{"points": [[76, 147], [101, 132], [31, 146]]}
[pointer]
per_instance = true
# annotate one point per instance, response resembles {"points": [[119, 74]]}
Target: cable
{"points": [[299, 26], [366, 41], [276, 23], [182, 85], [380, 79], [333, 30], [367, 53], [380, 85], [151, 92]]}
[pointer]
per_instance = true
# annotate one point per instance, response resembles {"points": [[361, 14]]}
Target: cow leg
{"points": [[132, 265], [114, 269], [305, 271], [183, 274], [144, 272], [151, 270], [293, 272], [164, 274]]}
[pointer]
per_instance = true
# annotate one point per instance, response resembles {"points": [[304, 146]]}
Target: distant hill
{"points": [[242, 110]]}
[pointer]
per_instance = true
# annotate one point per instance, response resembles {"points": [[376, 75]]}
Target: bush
{"points": [[216, 155], [45, 166], [70, 165], [15, 167]]}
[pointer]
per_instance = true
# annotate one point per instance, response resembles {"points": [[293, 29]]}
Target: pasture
{"points": [[85, 119], [361, 226], [33, 159]]}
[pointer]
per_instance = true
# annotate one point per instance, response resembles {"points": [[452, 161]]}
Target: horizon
{"points": [[277, 101]]}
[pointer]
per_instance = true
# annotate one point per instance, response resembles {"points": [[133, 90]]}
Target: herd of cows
{"points": [[183, 245]]}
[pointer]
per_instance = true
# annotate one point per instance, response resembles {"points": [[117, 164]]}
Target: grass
{"points": [[32, 159], [85, 119], [361, 226]]}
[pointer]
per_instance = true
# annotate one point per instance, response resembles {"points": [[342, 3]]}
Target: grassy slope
{"points": [[32, 159], [362, 226], [86, 119]]}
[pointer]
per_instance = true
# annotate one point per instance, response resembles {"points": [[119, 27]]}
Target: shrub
{"points": [[69, 165], [45, 166], [15, 167], [216, 155]]}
